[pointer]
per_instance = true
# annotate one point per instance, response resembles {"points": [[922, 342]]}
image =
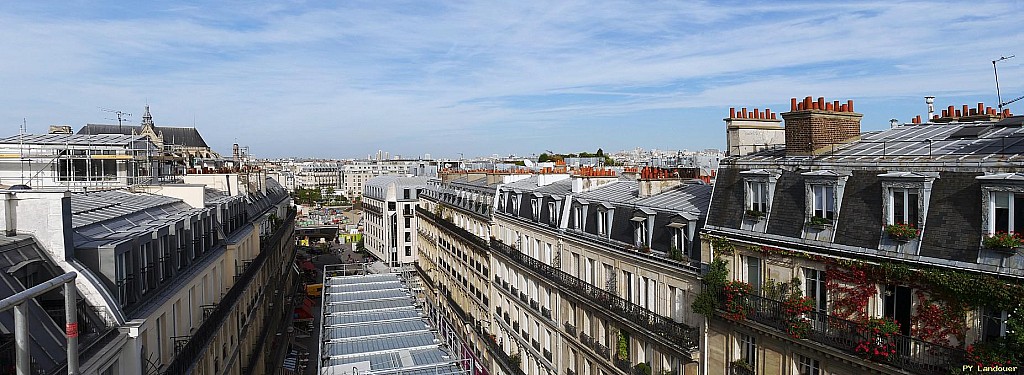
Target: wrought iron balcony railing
{"points": [[545, 312], [740, 370], [570, 329], [675, 333], [452, 228], [534, 305], [911, 355]]}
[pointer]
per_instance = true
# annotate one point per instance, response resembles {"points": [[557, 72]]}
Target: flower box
{"points": [[1003, 242], [901, 232], [754, 215], [818, 222]]}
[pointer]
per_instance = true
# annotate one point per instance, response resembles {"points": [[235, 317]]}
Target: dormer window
{"points": [[640, 232], [1007, 213], [577, 213], [903, 208], [552, 213], [757, 196], [823, 201], [535, 208], [602, 219]]}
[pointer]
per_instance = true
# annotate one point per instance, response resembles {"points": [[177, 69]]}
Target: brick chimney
{"points": [[813, 127]]}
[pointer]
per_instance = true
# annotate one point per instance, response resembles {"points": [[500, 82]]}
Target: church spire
{"points": [[147, 119]]}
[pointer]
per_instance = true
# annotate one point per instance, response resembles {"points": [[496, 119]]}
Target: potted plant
{"points": [[818, 222], [742, 363], [1003, 241], [901, 232], [755, 215], [878, 338], [736, 305]]}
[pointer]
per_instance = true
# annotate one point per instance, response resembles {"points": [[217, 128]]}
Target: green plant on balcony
{"points": [[742, 363], [755, 215], [1003, 241], [818, 222], [796, 308], [878, 338], [707, 300], [675, 254], [622, 348], [517, 359], [901, 232], [642, 368]]}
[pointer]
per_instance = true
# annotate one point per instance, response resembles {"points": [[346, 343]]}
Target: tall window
{"points": [[757, 192], [602, 220], [748, 349], [753, 272], [824, 201], [993, 324], [640, 233], [904, 206], [578, 215], [552, 214], [1007, 212], [814, 287], [807, 365], [535, 206]]}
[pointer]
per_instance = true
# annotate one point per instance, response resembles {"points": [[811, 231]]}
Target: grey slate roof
{"points": [[188, 137], [112, 216], [560, 187], [73, 139]]}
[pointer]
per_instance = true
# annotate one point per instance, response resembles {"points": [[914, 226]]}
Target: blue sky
{"points": [[346, 78]]}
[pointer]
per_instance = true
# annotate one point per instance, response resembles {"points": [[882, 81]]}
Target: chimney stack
{"points": [[813, 127], [749, 132]]}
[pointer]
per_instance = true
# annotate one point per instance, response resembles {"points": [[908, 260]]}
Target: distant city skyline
{"points": [[343, 80]]}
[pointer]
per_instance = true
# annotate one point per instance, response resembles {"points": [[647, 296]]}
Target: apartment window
{"points": [[405, 193], [640, 232], [408, 251], [748, 349], [1007, 212], [993, 324], [904, 206], [535, 208], [757, 196], [807, 365], [814, 287], [753, 268], [578, 215], [552, 213], [824, 201], [602, 221]]}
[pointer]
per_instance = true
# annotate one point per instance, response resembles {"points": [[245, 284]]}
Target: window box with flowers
{"points": [[818, 222], [754, 215], [1005, 242], [901, 232]]}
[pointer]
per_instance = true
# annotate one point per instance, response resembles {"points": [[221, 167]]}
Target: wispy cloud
{"points": [[345, 79]]}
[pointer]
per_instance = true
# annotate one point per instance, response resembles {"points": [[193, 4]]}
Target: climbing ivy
{"points": [[715, 279]]}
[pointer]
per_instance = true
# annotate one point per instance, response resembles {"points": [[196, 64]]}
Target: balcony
{"points": [[601, 350], [536, 345], [740, 370], [503, 359], [522, 297], [570, 329], [514, 290], [570, 371], [515, 326], [673, 334], [624, 366], [545, 312], [547, 355], [534, 305], [452, 228], [526, 336], [912, 355], [504, 285]]}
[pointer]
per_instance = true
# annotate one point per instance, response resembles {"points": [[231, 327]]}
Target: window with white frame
{"points": [[602, 221], [640, 233], [904, 206], [993, 324], [535, 206], [578, 215], [824, 201], [807, 365], [748, 349], [679, 239], [552, 213], [757, 196], [814, 287], [1007, 212]]}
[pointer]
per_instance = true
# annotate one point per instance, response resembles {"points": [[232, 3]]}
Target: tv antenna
{"points": [[999, 97], [121, 116]]}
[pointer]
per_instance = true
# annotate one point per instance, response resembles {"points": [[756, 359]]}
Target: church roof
{"points": [[187, 137]]}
